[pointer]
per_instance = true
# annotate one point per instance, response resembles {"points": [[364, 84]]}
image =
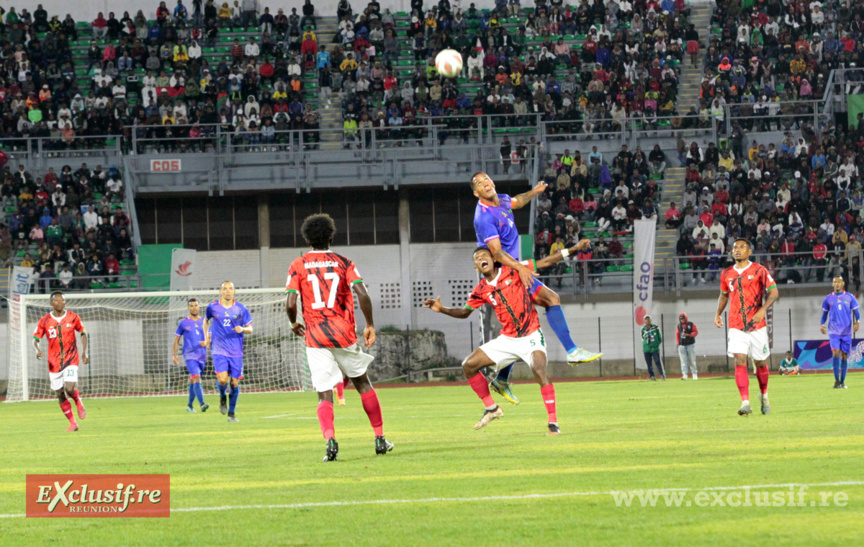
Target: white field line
{"points": [[486, 498]]}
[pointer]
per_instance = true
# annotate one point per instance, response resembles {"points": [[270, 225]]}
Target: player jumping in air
{"points": [[837, 322], [496, 229], [745, 284], [191, 329], [228, 321], [60, 326], [324, 280], [521, 337]]}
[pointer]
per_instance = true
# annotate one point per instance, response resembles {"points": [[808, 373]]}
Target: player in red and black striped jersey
{"points": [[323, 280], [60, 327], [521, 337]]}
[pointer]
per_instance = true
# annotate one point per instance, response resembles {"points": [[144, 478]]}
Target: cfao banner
{"points": [[643, 278], [182, 269], [21, 281]]}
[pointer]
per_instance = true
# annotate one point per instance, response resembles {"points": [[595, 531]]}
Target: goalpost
{"points": [[130, 337]]}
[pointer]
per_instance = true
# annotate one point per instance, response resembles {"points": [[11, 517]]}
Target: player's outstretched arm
{"points": [[366, 307], [558, 256], [517, 202], [437, 306], [291, 309], [721, 305]]}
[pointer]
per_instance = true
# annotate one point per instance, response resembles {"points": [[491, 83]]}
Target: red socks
{"points": [[373, 410], [481, 388], [548, 393], [66, 407], [340, 390], [75, 396], [325, 418], [743, 381], [762, 376]]}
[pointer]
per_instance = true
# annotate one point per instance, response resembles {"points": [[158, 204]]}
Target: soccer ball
{"points": [[449, 63]]}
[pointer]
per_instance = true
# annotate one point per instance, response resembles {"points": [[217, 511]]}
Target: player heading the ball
{"points": [[228, 321], [60, 327], [324, 280]]}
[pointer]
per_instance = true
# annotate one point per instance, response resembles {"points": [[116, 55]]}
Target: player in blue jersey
{"points": [[840, 319], [191, 330], [496, 229], [228, 321]]}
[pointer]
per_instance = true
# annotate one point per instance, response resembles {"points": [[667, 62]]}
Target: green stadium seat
{"points": [[685, 266], [127, 262], [627, 268], [114, 286], [611, 268], [97, 286]]}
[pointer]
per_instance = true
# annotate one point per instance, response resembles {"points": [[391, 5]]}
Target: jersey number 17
{"points": [[316, 288]]}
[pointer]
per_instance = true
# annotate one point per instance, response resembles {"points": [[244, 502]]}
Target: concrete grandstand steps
{"points": [[331, 124], [673, 189], [691, 77]]}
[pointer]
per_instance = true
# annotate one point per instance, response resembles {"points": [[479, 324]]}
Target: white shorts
{"points": [[504, 350], [327, 365], [753, 344], [68, 374]]}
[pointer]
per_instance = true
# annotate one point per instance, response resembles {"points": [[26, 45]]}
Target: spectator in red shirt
{"points": [[112, 266], [673, 216], [100, 26]]}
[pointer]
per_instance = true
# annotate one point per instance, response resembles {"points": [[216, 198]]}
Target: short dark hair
{"points": [[191, 300], [55, 293], [474, 176], [318, 230], [482, 248], [745, 240]]}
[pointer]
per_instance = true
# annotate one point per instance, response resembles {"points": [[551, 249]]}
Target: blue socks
{"points": [[232, 400], [555, 316], [199, 392], [835, 363], [844, 364], [222, 389], [192, 392]]}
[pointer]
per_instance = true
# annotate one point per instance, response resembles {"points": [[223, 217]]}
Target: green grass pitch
{"points": [[447, 484]]}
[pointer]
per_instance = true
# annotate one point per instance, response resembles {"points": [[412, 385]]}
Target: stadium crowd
{"points": [[69, 226], [799, 200]]}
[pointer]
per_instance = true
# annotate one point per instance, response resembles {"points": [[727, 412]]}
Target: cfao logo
{"points": [[184, 269], [641, 312], [165, 166], [99, 496]]}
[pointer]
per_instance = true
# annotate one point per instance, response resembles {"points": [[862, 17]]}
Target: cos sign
{"points": [[164, 166]]}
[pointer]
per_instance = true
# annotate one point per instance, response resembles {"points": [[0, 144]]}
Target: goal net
{"points": [[130, 339]]}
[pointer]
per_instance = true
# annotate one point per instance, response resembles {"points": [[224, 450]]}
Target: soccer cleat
{"points": [[488, 416], [843, 386], [653, 378], [382, 445], [745, 410], [766, 408], [695, 377], [223, 405], [581, 355], [683, 377], [836, 384], [232, 417], [503, 388], [332, 450], [190, 409], [204, 407], [82, 412], [664, 377], [72, 427], [341, 402], [553, 429]]}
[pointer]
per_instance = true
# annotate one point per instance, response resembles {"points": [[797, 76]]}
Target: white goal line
{"points": [[487, 498]]}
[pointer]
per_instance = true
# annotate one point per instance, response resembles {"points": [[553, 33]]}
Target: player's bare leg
{"points": [[372, 407], [66, 407], [72, 393], [471, 366], [232, 399], [742, 380], [547, 390], [222, 379], [762, 375]]}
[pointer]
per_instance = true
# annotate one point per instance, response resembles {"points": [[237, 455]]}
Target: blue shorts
{"points": [[841, 342], [195, 368], [232, 365]]}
